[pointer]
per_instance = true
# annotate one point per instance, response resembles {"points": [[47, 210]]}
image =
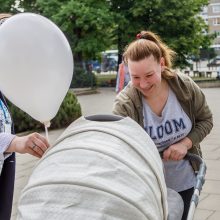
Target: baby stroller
{"points": [[101, 167]]}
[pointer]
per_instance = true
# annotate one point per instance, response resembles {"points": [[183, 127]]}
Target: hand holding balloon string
{"points": [[34, 144]]}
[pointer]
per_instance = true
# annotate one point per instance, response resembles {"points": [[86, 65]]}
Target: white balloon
{"points": [[36, 64]]}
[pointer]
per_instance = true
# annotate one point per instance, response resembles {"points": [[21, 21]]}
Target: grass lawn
{"points": [[203, 79], [106, 79]]}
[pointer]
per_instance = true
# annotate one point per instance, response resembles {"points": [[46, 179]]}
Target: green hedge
{"points": [[106, 80], [69, 111], [82, 79]]}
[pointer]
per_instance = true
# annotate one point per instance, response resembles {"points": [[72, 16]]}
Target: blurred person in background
{"points": [[123, 77]]}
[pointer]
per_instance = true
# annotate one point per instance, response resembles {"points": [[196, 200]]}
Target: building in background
{"points": [[211, 15]]}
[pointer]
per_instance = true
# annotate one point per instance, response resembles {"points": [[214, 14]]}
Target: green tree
{"points": [[8, 6], [182, 28], [86, 23], [177, 22], [125, 25], [95, 25]]}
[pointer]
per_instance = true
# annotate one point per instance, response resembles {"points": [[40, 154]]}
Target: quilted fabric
{"points": [[97, 170]]}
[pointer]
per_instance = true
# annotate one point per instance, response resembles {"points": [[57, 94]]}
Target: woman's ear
{"points": [[162, 64]]}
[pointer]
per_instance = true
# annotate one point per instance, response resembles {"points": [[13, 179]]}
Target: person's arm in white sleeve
{"points": [[5, 140]]}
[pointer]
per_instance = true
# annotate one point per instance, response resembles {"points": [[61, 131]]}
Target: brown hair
{"points": [[5, 15], [146, 44]]}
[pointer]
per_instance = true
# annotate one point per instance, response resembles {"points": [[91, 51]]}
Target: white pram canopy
{"points": [[97, 171]]}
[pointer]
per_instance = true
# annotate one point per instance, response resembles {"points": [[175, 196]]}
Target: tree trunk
{"points": [[120, 48]]}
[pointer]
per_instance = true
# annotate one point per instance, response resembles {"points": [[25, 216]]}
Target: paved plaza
{"points": [[101, 103]]}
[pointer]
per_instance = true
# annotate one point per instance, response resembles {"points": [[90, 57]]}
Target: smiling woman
{"points": [[169, 106], [146, 75]]}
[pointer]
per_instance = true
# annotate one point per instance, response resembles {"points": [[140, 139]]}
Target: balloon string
{"points": [[46, 132], [46, 126]]}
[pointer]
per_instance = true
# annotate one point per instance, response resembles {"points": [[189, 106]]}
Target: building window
{"points": [[205, 10], [216, 8], [216, 21], [217, 34]]}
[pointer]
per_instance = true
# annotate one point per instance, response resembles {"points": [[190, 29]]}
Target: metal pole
{"points": [[200, 180]]}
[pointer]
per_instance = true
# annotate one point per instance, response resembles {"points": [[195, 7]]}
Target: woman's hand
{"points": [[34, 144], [178, 150]]}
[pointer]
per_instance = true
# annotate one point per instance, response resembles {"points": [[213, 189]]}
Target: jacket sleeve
{"points": [[121, 105], [202, 115]]}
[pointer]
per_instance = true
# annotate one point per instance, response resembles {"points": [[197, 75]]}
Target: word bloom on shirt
{"points": [[167, 128]]}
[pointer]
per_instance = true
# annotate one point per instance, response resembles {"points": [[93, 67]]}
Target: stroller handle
{"points": [[200, 174], [200, 180], [202, 166]]}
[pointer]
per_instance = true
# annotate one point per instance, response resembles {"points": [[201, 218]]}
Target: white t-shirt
{"points": [[165, 130]]}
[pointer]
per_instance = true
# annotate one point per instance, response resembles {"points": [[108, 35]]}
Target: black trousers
{"points": [[186, 196], [7, 178]]}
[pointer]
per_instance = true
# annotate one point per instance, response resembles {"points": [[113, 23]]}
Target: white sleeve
{"points": [[5, 140]]}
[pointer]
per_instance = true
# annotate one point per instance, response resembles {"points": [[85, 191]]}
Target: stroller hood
{"points": [[97, 170]]}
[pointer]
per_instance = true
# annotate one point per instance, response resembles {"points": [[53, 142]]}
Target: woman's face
{"points": [[146, 75]]}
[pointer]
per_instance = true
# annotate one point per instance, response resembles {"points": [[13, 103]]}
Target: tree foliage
{"points": [[7, 6], [177, 22], [86, 23], [92, 26]]}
